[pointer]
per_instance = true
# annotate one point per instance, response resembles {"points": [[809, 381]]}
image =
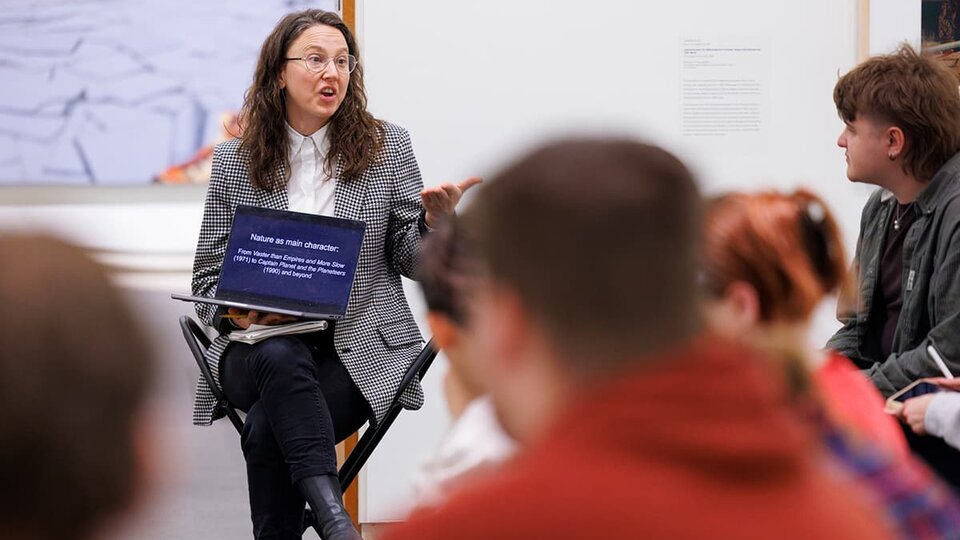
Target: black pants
{"points": [[300, 402]]}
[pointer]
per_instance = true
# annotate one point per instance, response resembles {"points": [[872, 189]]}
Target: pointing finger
{"points": [[469, 183]]}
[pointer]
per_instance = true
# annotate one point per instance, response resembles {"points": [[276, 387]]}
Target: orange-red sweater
{"points": [[854, 404], [698, 443]]}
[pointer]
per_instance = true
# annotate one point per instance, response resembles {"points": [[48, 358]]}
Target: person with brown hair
{"points": [[308, 144], [585, 313], [768, 260], [475, 443], [902, 134], [74, 446]]}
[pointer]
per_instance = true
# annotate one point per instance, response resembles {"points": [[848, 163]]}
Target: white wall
{"points": [[892, 22], [476, 83]]}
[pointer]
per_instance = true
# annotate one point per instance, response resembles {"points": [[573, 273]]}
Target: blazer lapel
{"points": [[350, 195], [275, 198]]}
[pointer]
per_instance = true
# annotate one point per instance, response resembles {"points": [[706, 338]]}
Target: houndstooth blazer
{"points": [[378, 339]]}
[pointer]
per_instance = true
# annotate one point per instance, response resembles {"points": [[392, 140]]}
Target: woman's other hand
{"points": [[913, 412], [441, 201], [243, 319]]}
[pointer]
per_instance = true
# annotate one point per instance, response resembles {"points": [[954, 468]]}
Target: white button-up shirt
{"points": [[310, 189]]}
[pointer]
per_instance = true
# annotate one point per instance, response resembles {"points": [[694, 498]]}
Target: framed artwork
{"points": [[940, 31], [931, 25], [127, 93]]}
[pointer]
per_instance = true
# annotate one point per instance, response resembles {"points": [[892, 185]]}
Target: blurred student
{"points": [[74, 377], [585, 315], [769, 260], [475, 441], [902, 134]]}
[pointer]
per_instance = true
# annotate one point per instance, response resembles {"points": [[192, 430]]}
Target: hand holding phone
{"points": [[919, 387], [914, 413]]}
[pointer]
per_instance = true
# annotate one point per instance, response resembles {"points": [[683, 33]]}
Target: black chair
{"points": [[199, 342]]}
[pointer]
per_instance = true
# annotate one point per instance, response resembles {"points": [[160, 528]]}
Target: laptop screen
{"points": [[293, 260]]}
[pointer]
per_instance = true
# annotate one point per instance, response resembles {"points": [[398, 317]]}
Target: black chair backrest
{"points": [[199, 342]]}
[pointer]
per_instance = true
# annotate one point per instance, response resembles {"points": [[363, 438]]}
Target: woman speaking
{"points": [[309, 145]]}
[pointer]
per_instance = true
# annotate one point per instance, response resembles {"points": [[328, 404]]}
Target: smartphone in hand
{"points": [[918, 387]]}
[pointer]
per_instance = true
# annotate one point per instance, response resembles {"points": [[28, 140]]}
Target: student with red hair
{"points": [[769, 259]]}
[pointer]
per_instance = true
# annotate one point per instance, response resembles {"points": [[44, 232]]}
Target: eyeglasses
{"points": [[316, 63]]}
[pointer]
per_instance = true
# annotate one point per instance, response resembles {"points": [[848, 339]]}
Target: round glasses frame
{"points": [[314, 63]]}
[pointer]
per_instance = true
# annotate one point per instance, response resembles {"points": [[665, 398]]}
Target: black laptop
{"points": [[290, 263]]}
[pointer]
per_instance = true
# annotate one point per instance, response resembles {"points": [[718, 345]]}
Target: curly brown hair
{"points": [[910, 91], [356, 137]]}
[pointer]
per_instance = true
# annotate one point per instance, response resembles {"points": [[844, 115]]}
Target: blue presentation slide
{"points": [[306, 261]]}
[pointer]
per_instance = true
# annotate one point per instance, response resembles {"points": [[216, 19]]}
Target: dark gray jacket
{"points": [[931, 286]]}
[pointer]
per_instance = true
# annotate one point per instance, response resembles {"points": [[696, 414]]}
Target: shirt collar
{"points": [[296, 139], [930, 195], [943, 180]]}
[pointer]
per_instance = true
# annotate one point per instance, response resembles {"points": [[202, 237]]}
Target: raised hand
{"points": [[441, 201]]}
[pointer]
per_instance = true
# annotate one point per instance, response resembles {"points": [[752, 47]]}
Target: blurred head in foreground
{"points": [[74, 378], [586, 253], [446, 271]]}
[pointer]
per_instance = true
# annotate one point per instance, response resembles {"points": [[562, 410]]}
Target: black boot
{"points": [[323, 495]]}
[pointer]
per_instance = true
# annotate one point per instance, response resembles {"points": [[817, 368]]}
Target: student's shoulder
{"points": [[468, 516], [948, 207], [502, 505]]}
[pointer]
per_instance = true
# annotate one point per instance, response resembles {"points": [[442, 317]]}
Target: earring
{"points": [[892, 156]]}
